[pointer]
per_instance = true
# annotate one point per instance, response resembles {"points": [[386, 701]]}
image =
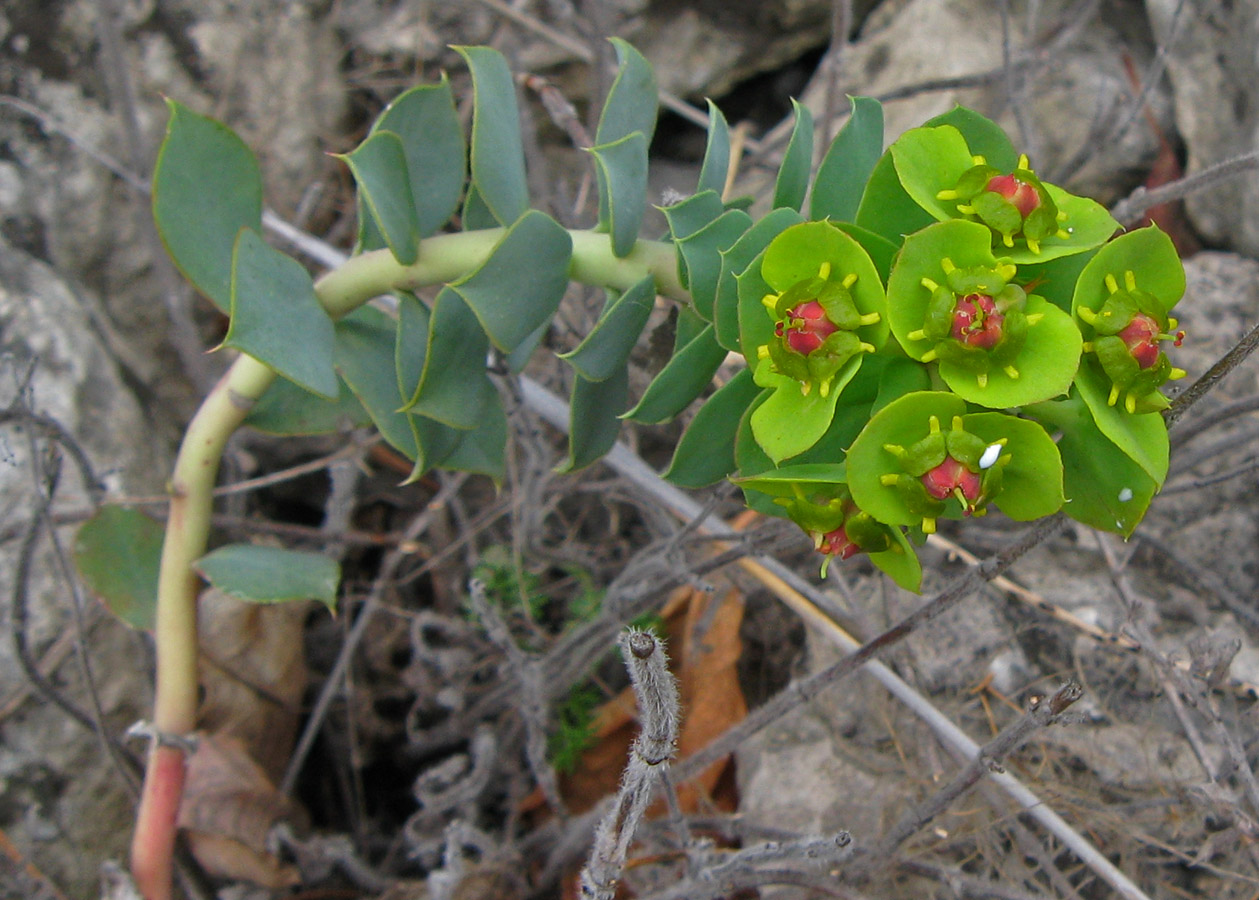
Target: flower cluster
{"points": [[969, 377], [815, 326], [1013, 205], [1129, 328]]}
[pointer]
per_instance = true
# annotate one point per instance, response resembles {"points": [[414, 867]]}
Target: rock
{"points": [[65, 807], [269, 69], [1215, 77], [1080, 71]]}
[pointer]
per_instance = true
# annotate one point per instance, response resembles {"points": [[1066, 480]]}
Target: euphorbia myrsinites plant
{"points": [[913, 349]]}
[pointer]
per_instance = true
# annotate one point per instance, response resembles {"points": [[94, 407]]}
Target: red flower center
{"points": [[976, 322], [806, 327], [1141, 337], [1020, 193], [950, 476], [837, 543]]}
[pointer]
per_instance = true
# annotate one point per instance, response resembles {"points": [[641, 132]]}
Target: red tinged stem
{"points": [[153, 844]]}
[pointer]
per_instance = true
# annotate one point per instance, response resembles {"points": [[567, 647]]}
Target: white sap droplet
{"points": [[1125, 495], [989, 459]]}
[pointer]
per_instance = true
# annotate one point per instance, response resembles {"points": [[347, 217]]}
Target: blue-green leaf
{"points": [[287, 410], [271, 574], [631, 103], [622, 171], [681, 380], [734, 261], [498, 159], [705, 453], [519, 287], [379, 166], [276, 317], [793, 174], [411, 347], [206, 188], [594, 420], [702, 252], [432, 139], [716, 166], [482, 450], [118, 552], [607, 347], [364, 358], [453, 387], [841, 179], [476, 216], [886, 207]]}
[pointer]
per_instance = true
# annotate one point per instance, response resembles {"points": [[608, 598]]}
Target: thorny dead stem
{"points": [[526, 673], [659, 713], [989, 758], [803, 691]]}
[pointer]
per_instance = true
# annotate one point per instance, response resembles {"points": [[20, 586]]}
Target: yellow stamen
{"points": [[979, 161], [947, 195], [929, 284], [1114, 396], [1087, 347], [947, 265], [866, 348], [957, 423], [928, 525], [966, 209], [1111, 284], [824, 271], [982, 379], [849, 280], [1088, 315], [1007, 239], [929, 356], [1012, 372], [1034, 318], [889, 480], [770, 301], [1176, 374], [918, 335], [1032, 245], [1008, 271], [1024, 163], [824, 388], [1172, 322], [762, 352], [1062, 234], [933, 424], [1130, 280], [805, 387], [870, 318], [1130, 402]]}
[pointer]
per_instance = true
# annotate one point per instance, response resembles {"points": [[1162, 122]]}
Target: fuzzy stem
{"points": [[443, 258]]}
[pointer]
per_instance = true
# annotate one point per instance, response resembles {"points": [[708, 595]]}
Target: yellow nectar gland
{"points": [[770, 301], [762, 352]]}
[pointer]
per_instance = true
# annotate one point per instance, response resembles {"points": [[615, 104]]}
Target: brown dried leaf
{"points": [[228, 809], [712, 700], [704, 649], [253, 671]]}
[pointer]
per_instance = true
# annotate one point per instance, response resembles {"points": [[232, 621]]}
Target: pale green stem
{"points": [[443, 258]]}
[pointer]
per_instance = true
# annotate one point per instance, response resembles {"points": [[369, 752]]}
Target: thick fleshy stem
{"points": [[442, 259]]}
